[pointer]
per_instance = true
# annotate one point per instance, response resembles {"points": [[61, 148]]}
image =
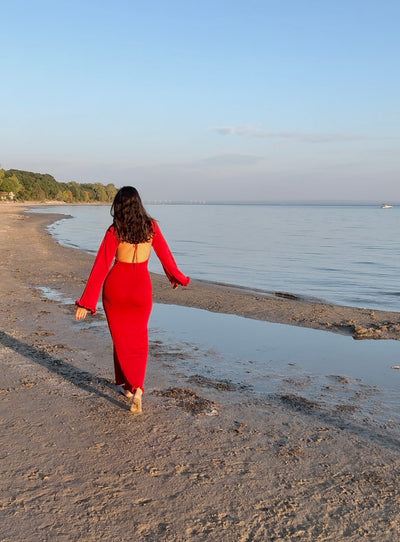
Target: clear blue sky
{"points": [[212, 99]]}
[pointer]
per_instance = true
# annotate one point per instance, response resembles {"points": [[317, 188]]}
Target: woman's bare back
{"points": [[127, 252]]}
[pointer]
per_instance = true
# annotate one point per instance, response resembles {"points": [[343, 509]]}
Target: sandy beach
{"points": [[207, 460]]}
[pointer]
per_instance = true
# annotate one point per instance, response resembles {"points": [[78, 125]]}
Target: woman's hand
{"points": [[81, 313]]}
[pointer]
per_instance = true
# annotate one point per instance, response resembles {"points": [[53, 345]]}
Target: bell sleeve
{"points": [[101, 267], [160, 245]]}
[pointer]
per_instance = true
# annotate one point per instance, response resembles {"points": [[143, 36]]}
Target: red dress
{"points": [[127, 301]]}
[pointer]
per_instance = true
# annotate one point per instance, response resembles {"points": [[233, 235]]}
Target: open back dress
{"points": [[127, 301]]}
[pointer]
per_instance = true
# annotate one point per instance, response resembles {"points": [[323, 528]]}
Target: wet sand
{"points": [[207, 460]]}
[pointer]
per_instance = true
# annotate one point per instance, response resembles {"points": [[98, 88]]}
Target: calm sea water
{"points": [[346, 255]]}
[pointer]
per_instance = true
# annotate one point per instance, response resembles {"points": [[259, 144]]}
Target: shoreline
{"points": [[207, 460], [277, 307], [274, 306]]}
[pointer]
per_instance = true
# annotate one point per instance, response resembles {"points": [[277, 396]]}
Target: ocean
{"points": [[344, 254]]}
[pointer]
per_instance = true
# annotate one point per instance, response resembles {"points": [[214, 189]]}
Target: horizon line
{"points": [[268, 202]]}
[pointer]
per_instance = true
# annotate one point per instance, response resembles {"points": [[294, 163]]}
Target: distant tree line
{"points": [[28, 186]]}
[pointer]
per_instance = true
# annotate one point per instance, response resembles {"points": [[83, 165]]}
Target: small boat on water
{"points": [[386, 206]]}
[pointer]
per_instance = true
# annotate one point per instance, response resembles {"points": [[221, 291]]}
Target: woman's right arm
{"points": [[81, 313], [101, 267]]}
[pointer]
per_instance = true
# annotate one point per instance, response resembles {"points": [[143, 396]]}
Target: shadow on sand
{"points": [[78, 377]]}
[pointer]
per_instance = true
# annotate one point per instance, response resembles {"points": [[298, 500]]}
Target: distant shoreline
{"points": [[211, 203], [50, 203]]}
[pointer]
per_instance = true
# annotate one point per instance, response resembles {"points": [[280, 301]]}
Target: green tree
{"points": [[88, 188], [100, 193], [41, 186], [10, 184], [67, 196], [111, 191], [76, 190], [37, 193], [85, 196]]}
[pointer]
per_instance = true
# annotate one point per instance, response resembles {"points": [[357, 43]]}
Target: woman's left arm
{"points": [[160, 245]]}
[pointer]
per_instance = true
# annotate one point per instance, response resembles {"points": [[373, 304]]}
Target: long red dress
{"points": [[127, 301]]}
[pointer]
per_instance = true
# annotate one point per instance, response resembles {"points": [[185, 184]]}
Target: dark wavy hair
{"points": [[131, 221]]}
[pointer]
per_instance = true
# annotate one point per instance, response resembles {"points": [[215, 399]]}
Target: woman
{"points": [[127, 289]]}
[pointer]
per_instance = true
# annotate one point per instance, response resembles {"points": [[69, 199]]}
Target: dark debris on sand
{"points": [[187, 399], [220, 385]]}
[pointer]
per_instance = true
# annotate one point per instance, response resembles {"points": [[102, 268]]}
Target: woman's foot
{"points": [[123, 391], [136, 406]]}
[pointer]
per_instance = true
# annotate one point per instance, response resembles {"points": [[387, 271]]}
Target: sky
{"points": [[238, 100]]}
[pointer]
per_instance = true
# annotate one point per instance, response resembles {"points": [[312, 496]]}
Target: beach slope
{"points": [[207, 460]]}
